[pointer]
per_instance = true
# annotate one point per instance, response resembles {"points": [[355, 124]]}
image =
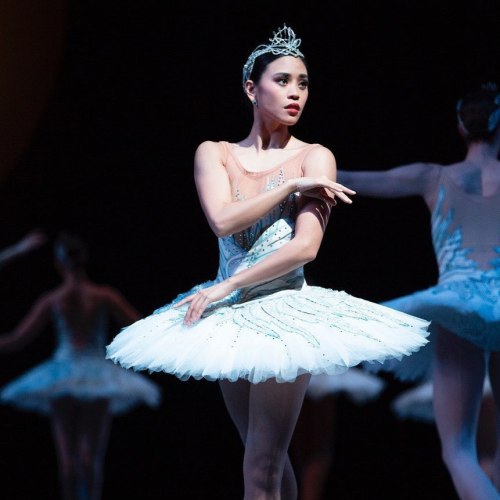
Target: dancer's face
{"points": [[282, 90]]}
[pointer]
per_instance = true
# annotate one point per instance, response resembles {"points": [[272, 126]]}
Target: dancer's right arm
{"points": [[29, 328], [122, 312], [415, 179], [226, 216]]}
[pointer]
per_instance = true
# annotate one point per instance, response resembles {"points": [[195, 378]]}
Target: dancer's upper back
{"points": [[81, 314], [466, 217]]}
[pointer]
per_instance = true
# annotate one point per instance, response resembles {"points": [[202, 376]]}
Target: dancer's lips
{"points": [[293, 109]]}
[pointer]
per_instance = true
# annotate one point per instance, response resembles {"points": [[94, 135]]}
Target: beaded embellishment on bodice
{"points": [[245, 248], [246, 184]]}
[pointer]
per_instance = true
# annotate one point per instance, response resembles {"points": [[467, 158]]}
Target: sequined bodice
{"points": [[465, 229], [246, 184], [270, 232]]}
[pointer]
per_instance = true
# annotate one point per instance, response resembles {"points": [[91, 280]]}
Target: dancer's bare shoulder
{"points": [[320, 160]]}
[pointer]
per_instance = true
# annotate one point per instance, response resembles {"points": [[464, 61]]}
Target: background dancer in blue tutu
{"points": [[464, 306], [77, 388], [258, 328]]}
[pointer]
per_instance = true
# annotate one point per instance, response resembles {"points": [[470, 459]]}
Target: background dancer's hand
{"points": [[31, 241], [324, 189], [200, 300]]}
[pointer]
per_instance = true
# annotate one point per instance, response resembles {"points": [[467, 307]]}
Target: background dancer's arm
{"points": [[226, 216], [122, 312], [415, 179], [30, 242]]}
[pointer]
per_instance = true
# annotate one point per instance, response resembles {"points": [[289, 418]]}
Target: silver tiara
{"points": [[283, 42]]}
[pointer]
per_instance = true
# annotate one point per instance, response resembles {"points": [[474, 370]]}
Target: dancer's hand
{"points": [[31, 241], [199, 301], [324, 189]]}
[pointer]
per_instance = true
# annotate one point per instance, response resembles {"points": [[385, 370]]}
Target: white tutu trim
{"points": [[282, 335], [360, 387], [417, 403]]}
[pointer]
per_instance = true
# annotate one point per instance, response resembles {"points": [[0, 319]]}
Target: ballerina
{"points": [[77, 388], [464, 306], [259, 328]]}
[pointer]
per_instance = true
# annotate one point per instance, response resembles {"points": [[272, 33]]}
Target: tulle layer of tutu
{"points": [[470, 308], [417, 403], [86, 378], [280, 336], [357, 385]]}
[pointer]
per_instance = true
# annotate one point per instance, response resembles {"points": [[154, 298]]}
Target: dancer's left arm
{"points": [[302, 248]]}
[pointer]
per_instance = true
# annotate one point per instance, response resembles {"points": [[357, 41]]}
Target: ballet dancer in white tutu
{"points": [[258, 328]]}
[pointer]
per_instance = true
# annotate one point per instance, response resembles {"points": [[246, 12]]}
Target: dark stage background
{"points": [[116, 95]]}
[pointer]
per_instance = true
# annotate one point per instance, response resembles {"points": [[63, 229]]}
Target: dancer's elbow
{"points": [[307, 249], [221, 228]]}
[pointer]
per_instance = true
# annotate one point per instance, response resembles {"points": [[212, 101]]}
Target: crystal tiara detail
{"points": [[283, 42]]}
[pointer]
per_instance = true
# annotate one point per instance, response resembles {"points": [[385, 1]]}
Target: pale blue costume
{"points": [[80, 370], [466, 299]]}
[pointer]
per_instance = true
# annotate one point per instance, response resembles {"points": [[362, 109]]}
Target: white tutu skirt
{"points": [[84, 377], [278, 336], [357, 385]]}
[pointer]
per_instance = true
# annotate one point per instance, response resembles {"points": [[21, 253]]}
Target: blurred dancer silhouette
{"points": [[464, 306], [77, 387], [33, 240], [416, 404], [313, 443]]}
